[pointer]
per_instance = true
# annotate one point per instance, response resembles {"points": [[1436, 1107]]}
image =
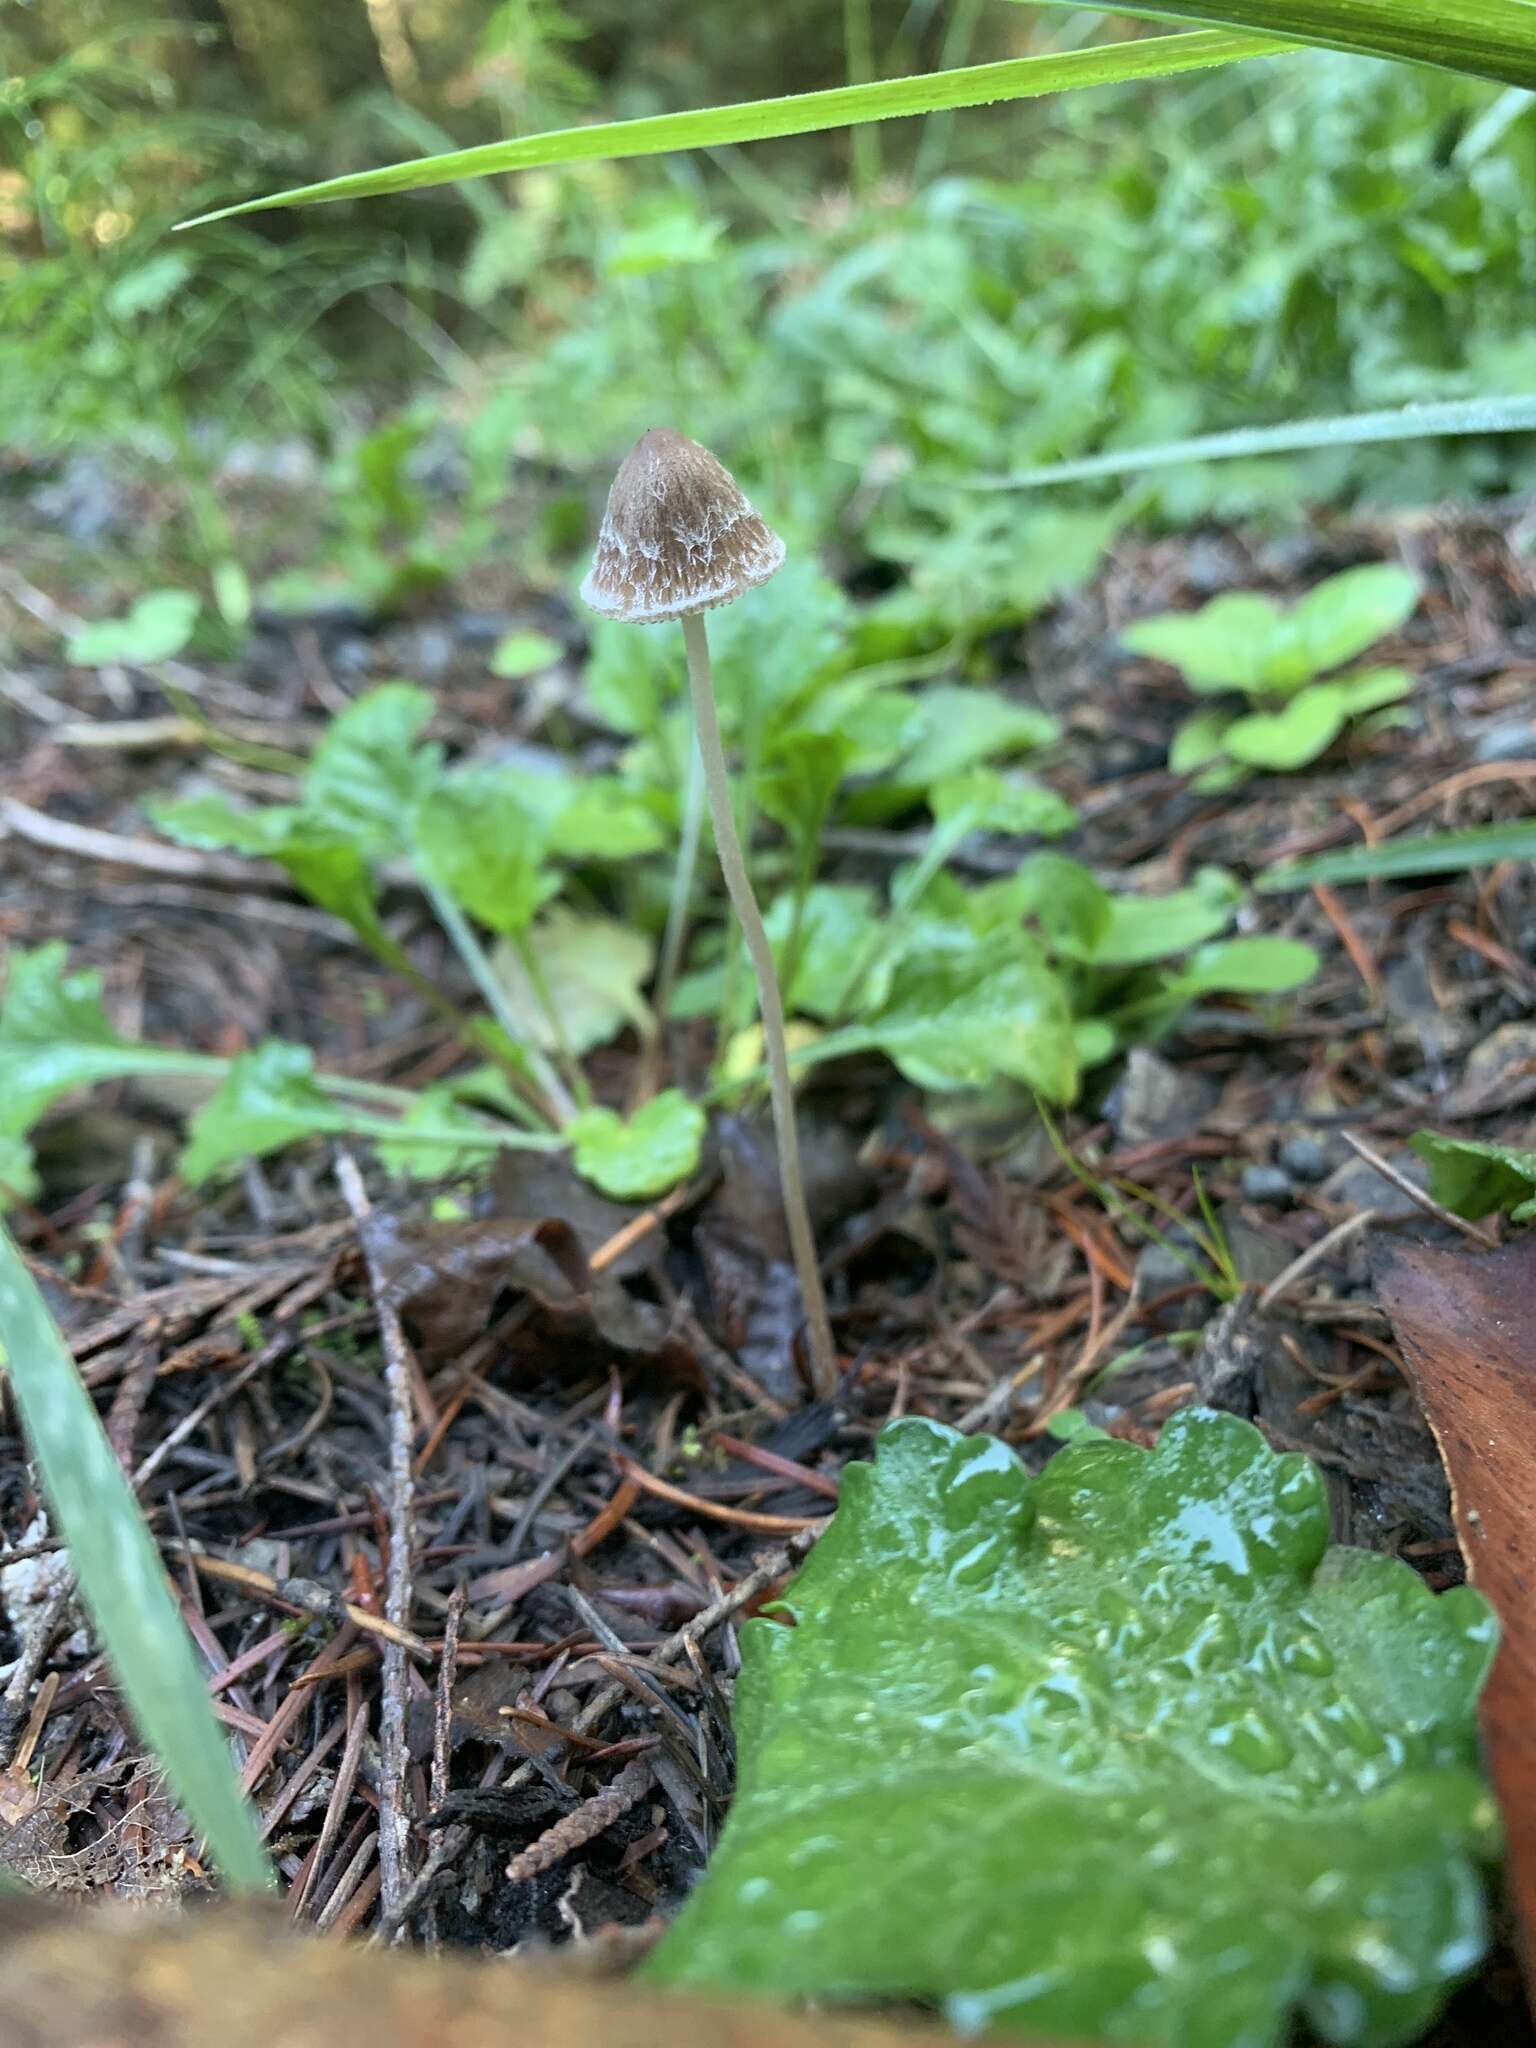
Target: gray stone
{"points": [[1512, 739], [1304, 1158], [1266, 1184], [1359, 1186], [1156, 1099]]}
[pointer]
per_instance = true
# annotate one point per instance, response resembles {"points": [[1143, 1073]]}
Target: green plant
{"points": [[1429, 853], [121, 1579], [1174, 1765], [1474, 1177], [1244, 644]]}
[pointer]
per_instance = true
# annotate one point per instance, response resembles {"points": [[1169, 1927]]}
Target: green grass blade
{"points": [[1344, 430], [1433, 853], [973, 85], [120, 1578], [1485, 38]]}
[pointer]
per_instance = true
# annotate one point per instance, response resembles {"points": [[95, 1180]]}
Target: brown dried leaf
{"points": [[1467, 1326]]}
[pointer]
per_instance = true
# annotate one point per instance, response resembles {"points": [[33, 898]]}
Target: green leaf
{"points": [[1347, 613], [1369, 689], [636, 1160], [1200, 740], [524, 654], [268, 1099], [1474, 1178], [414, 1147], [955, 727], [158, 627], [840, 925], [981, 800], [121, 1579], [1488, 38], [800, 784], [594, 969], [55, 1038], [478, 843], [601, 818], [1222, 646], [1307, 727], [1142, 929], [1065, 900], [367, 775], [1250, 966], [1124, 1752], [801, 114], [1433, 853], [962, 1011], [19, 1180]]}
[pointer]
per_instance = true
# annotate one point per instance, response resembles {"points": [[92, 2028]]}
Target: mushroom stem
{"points": [[738, 887]]}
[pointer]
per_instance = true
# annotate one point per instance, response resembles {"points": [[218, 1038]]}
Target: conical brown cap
{"points": [[677, 537]]}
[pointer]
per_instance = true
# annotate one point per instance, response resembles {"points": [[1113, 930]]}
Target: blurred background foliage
{"points": [[864, 324]]}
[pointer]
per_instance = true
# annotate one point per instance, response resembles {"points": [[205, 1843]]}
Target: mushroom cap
{"points": [[677, 536]]}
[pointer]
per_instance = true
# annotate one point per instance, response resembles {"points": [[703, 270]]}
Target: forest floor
{"points": [[614, 1460]]}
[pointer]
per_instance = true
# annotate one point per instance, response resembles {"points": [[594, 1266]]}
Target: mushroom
{"points": [[677, 539]]}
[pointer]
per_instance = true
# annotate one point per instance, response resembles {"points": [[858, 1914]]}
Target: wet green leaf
{"points": [[1474, 1178], [1124, 1752], [644, 1156]]}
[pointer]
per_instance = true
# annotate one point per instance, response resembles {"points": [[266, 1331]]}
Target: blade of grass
{"points": [[1516, 415], [1432, 853], [973, 85], [120, 1578], [1486, 38]]}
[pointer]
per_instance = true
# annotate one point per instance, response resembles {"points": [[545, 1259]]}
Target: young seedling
{"points": [[677, 539]]}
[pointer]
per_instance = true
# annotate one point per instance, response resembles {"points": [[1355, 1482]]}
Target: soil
{"points": [[565, 1354]]}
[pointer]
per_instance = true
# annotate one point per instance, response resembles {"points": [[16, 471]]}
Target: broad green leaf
{"points": [[1124, 1752], [524, 654], [1255, 966], [1487, 38], [981, 800], [367, 773], [477, 843], [800, 114], [1433, 853], [776, 649], [1200, 740], [1223, 646], [1475, 1178], [1307, 726], [1142, 929], [121, 1579], [158, 627], [55, 1038], [594, 969], [1063, 898], [268, 1099], [631, 676], [840, 926], [644, 1156], [414, 1148], [1369, 689], [955, 727], [1349, 612], [962, 1011], [800, 784], [603, 819], [211, 821]]}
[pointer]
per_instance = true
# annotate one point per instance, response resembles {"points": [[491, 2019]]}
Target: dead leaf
{"points": [[1467, 1326]]}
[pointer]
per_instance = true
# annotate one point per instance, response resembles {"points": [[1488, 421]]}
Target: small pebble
{"points": [[1266, 1184], [1513, 739], [1304, 1159]]}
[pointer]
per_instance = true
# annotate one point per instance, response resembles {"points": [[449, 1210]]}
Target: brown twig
{"points": [[1420, 1197], [592, 1818]]}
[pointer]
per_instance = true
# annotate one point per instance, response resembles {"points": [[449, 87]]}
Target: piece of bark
{"points": [[115, 1978], [1467, 1326]]}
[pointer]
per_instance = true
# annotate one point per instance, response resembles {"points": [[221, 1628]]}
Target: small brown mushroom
{"points": [[677, 539]]}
